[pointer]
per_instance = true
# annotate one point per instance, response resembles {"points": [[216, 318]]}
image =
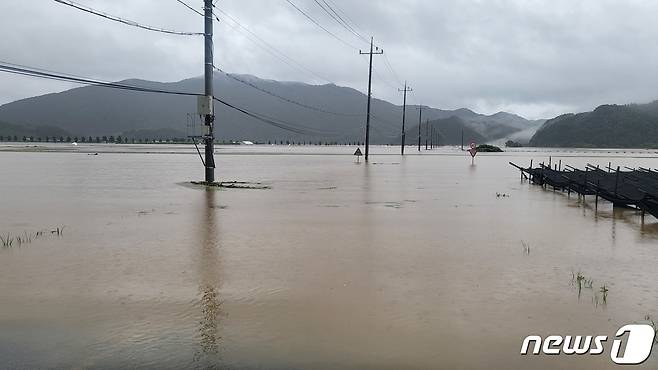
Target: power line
{"points": [[267, 46], [388, 65], [125, 21], [278, 123], [284, 58], [247, 83], [381, 120], [328, 9], [33, 72], [346, 16], [312, 20], [272, 50], [190, 8], [333, 15], [382, 79], [18, 69], [346, 19], [350, 28]]}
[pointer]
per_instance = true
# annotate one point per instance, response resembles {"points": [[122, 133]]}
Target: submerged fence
{"points": [[631, 187]]}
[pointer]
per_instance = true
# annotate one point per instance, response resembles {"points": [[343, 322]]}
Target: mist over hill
{"points": [[338, 113]]}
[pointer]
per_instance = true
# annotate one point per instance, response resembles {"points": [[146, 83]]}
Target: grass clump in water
{"points": [[526, 247], [9, 240], [581, 281], [654, 326]]}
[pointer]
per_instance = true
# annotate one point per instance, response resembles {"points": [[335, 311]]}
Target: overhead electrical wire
{"points": [[349, 27], [283, 57], [278, 123], [232, 76], [333, 15], [346, 17], [381, 78], [327, 8], [190, 7], [87, 9], [312, 20], [287, 59], [389, 125], [288, 100], [390, 68], [18, 69], [272, 50], [34, 72]]}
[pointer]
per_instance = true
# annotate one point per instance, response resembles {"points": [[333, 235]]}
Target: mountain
{"points": [[99, 111], [20, 131], [608, 126]]}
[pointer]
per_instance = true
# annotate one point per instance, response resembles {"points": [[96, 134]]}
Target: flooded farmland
{"points": [[421, 262]]}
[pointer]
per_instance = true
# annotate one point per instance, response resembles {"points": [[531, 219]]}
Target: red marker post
{"points": [[473, 150]]}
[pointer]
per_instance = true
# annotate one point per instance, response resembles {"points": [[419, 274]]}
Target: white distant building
{"points": [[246, 142]]}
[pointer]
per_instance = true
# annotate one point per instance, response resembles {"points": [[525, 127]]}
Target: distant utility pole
{"points": [[371, 53], [432, 138], [420, 116], [206, 105], [427, 132], [404, 111], [462, 139]]}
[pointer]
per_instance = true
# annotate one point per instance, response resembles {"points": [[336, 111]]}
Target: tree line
{"points": [[125, 140]]}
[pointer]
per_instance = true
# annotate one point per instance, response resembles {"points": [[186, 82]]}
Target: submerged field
{"points": [[418, 262]]}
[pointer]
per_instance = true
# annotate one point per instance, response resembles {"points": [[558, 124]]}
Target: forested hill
{"points": [[608, 126]]}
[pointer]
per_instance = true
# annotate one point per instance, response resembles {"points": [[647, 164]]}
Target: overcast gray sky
{"points": [[534, 58]]}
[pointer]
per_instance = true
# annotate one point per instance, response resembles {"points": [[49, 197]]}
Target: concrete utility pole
{"points": [[427, 132], [209, 137], [371, 53], [404, 111], [420, 116]]}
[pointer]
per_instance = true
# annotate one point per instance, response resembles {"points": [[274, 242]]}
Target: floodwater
{"points": [[404, 263]]}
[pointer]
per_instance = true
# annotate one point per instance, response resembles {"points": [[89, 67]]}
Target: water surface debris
{"points": [[233, 184]]}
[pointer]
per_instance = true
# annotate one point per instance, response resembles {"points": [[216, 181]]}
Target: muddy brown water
{"points": [[404, 263]]}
